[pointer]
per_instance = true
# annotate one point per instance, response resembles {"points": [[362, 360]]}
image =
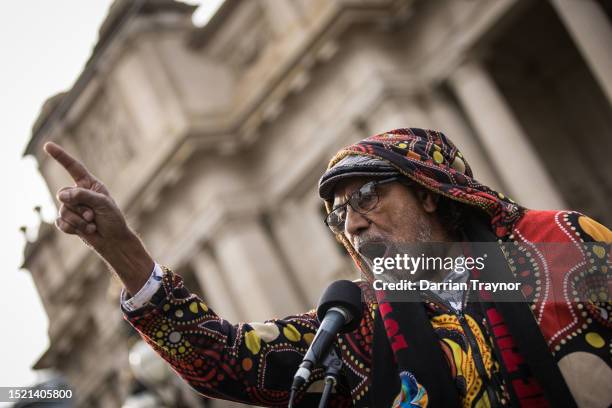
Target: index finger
{"points": [[76, 169]]}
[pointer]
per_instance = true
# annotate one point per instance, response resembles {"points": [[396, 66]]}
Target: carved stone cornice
{"points": [[114, 27]]}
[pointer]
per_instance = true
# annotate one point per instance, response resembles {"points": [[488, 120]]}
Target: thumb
{"points": [[75, 196]]}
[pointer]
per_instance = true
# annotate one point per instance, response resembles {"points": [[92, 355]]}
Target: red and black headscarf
{"points": [[430, 159]]}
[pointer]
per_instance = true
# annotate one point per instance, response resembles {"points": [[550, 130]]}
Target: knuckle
{"points": [[88, 215], [64, 211], [66, 214], [62, 225], [81, 195], [75, 220], [65, 221]]}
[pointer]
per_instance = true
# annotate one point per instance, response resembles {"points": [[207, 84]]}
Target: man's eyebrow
{"points": [[342, 200], [337, 205], [339, 201]]}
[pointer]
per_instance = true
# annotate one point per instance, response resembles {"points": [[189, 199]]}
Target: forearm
{"points": [[130, 260]]}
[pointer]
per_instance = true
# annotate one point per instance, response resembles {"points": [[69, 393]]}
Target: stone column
{"points": [[262, 287], [217, 294], [591, 30], [503, 139], [393, 113], [449, 121], [283, 16], [309, 246]]}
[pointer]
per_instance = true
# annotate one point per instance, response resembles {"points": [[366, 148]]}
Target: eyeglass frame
{"points": [[374, 183]]}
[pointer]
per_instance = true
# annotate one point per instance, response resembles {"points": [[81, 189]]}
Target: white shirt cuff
{"points": [[145, 293]]}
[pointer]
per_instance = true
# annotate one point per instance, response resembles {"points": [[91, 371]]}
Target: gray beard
{"points": [[424, 232]]}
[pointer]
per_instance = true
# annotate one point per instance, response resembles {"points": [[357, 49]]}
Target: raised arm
{"points": [[248, 362]]}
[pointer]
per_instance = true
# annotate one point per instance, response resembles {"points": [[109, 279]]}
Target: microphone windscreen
{"points": [[344, 294]]}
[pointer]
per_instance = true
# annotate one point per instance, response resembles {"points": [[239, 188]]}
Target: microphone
{"points": [[339, 311]]}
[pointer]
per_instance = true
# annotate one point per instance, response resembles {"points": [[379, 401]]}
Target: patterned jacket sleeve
{"points": [[249, 362]]}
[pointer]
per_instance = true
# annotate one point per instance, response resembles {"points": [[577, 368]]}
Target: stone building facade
{"points": [[212, 140]]}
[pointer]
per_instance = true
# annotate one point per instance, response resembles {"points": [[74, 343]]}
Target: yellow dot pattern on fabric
{"points": [[252, 341], [595, 339], [599, 251], [595, 229], [193, 307], [437, 156], [308, 338], [166, 307], [458, 165], [291, 333], [204, 307]]}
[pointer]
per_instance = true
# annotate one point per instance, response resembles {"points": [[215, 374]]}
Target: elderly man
{"points": [[405, 186]]}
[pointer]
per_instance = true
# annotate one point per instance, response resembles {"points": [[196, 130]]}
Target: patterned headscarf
{"points": [[430, 159]]}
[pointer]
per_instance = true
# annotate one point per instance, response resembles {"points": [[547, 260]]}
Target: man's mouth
{"points": [[372, 249]]}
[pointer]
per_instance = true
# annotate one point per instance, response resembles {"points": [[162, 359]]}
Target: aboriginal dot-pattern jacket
{"points": [[254, 362]]}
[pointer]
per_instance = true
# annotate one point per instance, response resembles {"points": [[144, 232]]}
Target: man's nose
{"points": [[355, 222]]}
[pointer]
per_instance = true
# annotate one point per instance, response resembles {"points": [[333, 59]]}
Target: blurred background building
{"points": [[212, 140]]}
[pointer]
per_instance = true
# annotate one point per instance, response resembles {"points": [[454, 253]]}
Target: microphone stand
{"points": [[333, 365]]}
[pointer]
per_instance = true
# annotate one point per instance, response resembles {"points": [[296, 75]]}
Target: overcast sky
{"points": [[43, 45]]}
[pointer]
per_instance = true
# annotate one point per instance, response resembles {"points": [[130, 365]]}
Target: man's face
{"points": [[399, 217]]}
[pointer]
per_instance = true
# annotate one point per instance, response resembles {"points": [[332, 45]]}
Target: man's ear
{"points": [[428, 199]]}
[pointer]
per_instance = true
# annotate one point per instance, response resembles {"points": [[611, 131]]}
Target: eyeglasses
{"points": [[362, 201]]}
